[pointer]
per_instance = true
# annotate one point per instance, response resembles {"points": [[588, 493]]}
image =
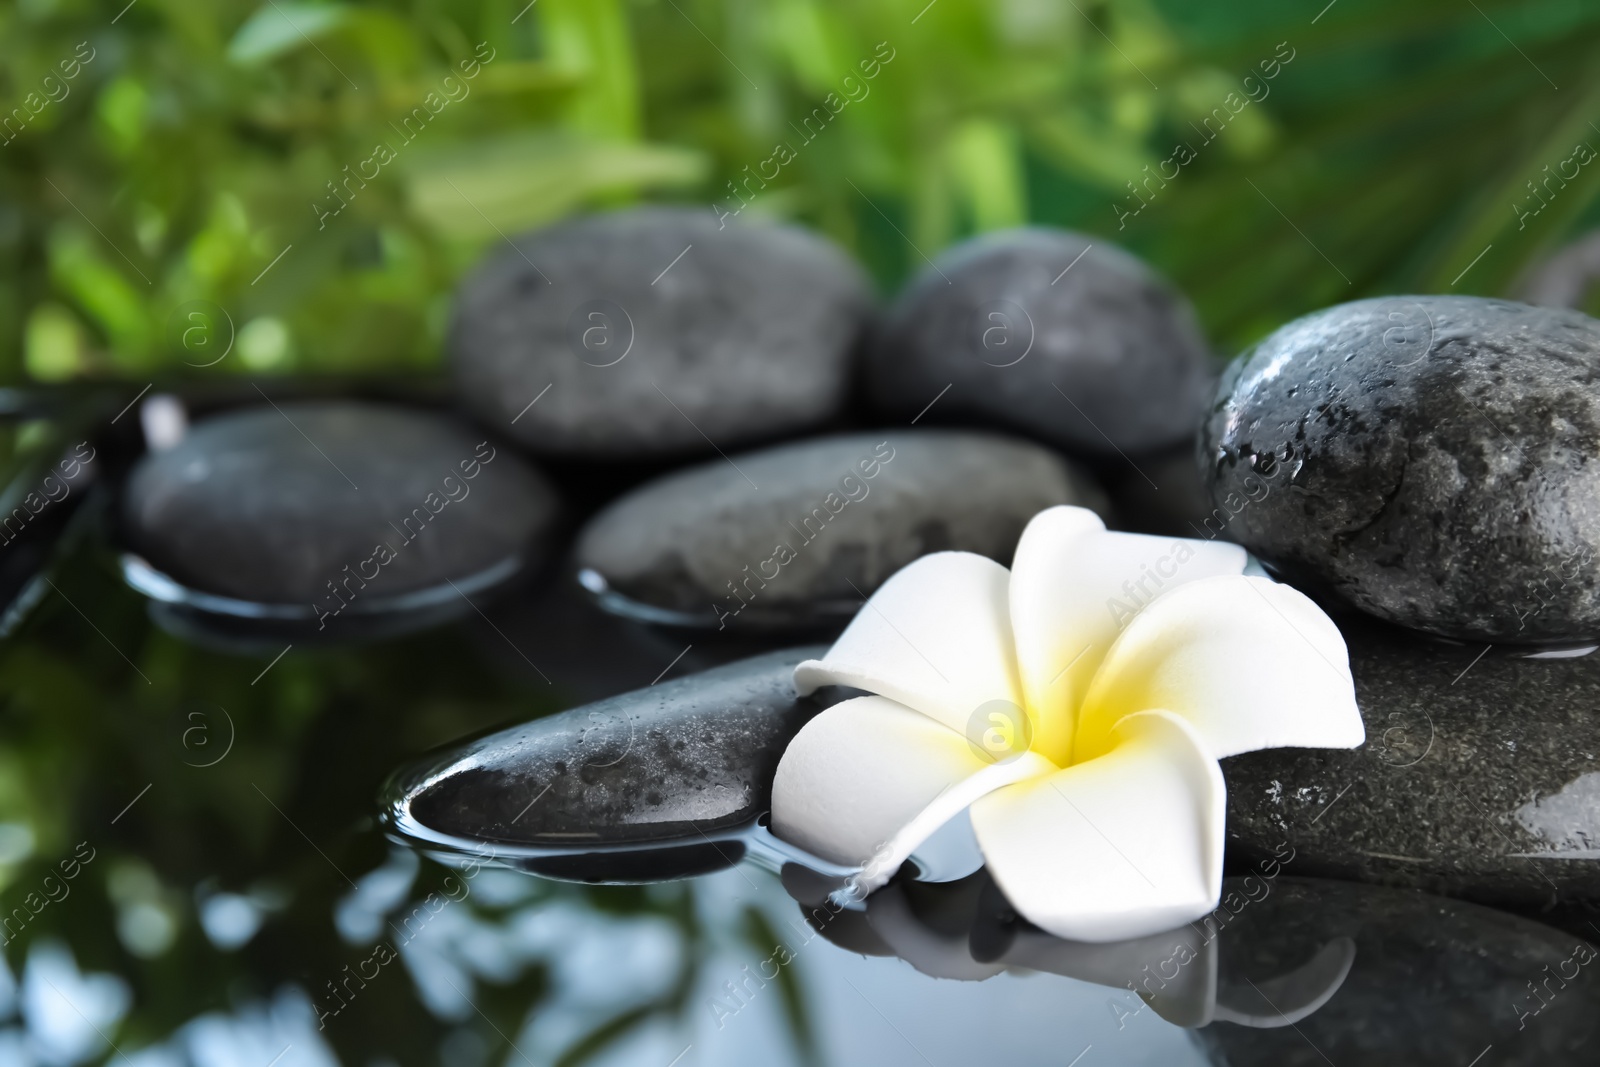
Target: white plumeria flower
{"points": [[1129, 664]]}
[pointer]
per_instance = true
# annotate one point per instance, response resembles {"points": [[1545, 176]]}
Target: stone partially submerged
{"points": [[675, 764], [315, 514], [833, 517]]}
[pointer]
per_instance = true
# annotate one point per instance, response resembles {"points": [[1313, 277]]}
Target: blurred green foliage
{"points": [[170, 158], [194, 143]]}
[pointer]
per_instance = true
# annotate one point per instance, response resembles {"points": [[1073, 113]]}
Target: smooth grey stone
{"points": [[1429, 459], [701, 546], [272, 504], [1106, 356], [1479, 778], [1433, 982], [669, 761], [749, 335]]}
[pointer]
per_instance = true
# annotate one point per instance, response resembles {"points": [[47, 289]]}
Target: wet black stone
{"points": [[669, 550], [1431, 459], [1433, 982], [669, 761], [1104, 357], [1480, 778], [748, 336], [272, 504]]}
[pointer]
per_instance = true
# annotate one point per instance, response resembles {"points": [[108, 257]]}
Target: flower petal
{"points": [[1119, 847], [1248, 662], [1073, 585], [935, 637], [858, 772]]}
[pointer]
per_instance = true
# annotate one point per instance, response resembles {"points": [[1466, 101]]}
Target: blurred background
{"points": [[1376, 148], [168, 156]]}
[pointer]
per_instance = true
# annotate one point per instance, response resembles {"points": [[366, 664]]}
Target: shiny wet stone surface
{"points": [[797, 534], [1480, 777], [1429, 459], [666, 762], [334, 505]]}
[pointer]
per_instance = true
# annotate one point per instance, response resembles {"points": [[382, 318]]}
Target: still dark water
{"points": [[194, 875]]}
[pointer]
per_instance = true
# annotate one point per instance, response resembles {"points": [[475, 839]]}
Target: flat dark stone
{"points": [[1480, 777], [747, 336], [818, 533], [1432, 460], [1433, 983], [270, 505], [669, 761], [1106, 356]]}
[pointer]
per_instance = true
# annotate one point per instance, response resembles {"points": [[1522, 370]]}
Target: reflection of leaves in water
{"points": [[677, 904], [606, 1034], [759, 933], [81, 733]]}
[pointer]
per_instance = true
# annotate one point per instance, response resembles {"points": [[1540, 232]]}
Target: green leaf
{"points": [[987, 166], [476, 190], [759, 933], [278, 28], [101, 290], [592, 37], [55, 345]]}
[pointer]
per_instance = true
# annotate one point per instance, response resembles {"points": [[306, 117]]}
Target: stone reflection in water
{"points": [[1435, 981], [967, 930], [1312, 972]]}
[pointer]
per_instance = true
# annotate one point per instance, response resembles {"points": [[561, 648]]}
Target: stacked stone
{"points": [[1429, 465]]}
